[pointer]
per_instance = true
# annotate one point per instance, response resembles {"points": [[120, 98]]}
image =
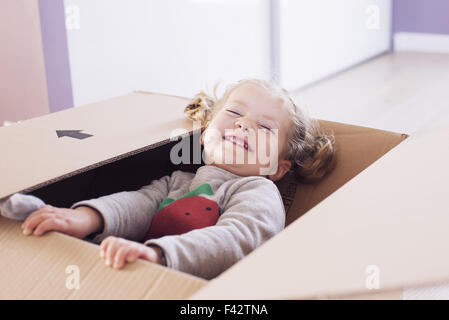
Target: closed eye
{"points": [[266, 128], [234, 112]]}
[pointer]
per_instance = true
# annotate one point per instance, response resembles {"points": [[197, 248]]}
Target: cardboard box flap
{"points": [[385, 229], [46, 149], [356, 148], [56, 266]]}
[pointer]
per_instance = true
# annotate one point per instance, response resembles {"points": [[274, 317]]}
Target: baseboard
{"points": [[423, 42]]}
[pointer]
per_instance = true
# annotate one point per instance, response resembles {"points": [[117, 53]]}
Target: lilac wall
{"points": [[23, 91], [56, 55], [421, 16]]}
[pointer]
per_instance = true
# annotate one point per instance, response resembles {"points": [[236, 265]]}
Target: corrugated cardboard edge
{"points": [[36, 268], [161, 94], [109, 160], [98, 164]]}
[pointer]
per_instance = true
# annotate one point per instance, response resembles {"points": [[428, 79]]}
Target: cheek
{"points": [[222, 122], [218, 125], [283, 145], [266, 144], [272, 145]]}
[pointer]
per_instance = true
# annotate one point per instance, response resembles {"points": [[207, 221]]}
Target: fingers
{"points": [[117, 251], [35, 218], [133, 254], [43, 223], [31, 223], [110, 250], [48, 225], [114, 251], [104, 245], [45, 209], [121, 256]]}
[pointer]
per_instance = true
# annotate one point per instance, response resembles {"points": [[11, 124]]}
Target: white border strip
{"points": [[423, 42], [435, 292]]}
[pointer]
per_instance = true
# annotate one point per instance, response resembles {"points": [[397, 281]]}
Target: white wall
{"points": [[321, 37], [178, 47], [183, 46]]}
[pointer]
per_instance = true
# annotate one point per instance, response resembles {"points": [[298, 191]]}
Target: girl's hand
{"points": [[79, 222], [118, 251]]}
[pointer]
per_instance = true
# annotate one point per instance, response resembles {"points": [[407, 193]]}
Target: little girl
{"points": [[204, 222]]}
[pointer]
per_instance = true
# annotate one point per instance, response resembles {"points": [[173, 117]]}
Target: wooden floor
{"points": [[402, 92]]}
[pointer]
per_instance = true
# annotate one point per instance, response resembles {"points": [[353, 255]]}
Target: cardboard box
{"points": [[380, 228], [61, 167]]}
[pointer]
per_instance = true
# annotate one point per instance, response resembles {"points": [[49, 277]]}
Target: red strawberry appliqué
{"points": [[183, 215]]}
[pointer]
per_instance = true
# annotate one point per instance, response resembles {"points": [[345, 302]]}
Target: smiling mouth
{"points": [[237, 141]]}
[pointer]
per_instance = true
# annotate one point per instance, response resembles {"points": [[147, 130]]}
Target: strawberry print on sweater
{"points": [[189, 212]]}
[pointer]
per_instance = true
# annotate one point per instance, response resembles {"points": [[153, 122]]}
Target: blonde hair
{"points": [[311, 151]]}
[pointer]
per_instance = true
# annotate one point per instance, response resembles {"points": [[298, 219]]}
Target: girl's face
{"points": [[248, 135]]}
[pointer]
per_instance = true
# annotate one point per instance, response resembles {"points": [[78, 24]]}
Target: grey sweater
{"points": [[232, 215]]}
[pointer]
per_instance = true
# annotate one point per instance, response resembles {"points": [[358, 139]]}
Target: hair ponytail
{"points": [[201, 107], [316, 160]]}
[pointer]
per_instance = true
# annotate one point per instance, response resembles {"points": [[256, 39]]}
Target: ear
{"points": [[283, 167]]}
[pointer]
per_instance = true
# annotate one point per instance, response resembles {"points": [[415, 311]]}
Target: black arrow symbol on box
{"points": [[73, 134]]}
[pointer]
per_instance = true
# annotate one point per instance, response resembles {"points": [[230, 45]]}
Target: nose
{"points": [[242, 124]]}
